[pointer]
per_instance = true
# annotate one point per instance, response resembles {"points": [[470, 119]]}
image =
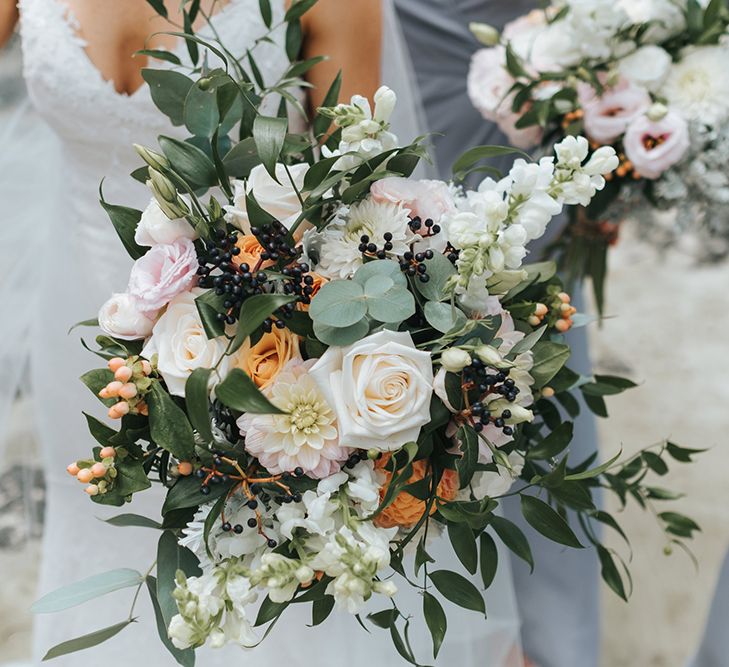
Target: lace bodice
{"points": [[97, 125]]}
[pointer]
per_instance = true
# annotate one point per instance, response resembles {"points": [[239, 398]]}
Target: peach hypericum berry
{"points": [[558, 311], [130, 384]]}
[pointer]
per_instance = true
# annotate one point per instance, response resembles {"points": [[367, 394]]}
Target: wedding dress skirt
{"points": [[75, 269]]}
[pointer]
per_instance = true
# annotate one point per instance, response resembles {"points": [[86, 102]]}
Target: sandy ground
{"points": [[666, 334]]}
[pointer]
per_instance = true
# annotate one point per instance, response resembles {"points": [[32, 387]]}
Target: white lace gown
{"points": [[83, 263]]}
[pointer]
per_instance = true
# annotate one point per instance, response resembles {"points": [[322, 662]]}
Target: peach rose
{"points": [[319, 282], [250, 253], [263, 361], [406, 510]]}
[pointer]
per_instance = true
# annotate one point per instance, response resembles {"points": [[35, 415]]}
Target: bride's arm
{"points": [[8, 19], [350, 33]]}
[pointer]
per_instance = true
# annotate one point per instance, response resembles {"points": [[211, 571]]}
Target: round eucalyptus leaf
{"points": [[378, 286], [396, 305], [443, 316], [380, 267], [339, 303], [341, 336], [440, 270]]}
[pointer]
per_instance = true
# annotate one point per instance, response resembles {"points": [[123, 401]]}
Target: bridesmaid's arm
{"points": [[8, 19], [350, 33]]}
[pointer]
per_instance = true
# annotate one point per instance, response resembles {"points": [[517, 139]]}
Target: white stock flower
{"points": [[120, 317], [279, 199], [181, 344], [364, 487], [338, 243], [490, 484], [698, 86], [281, 576], [647, 67], [314, 514], [155, 227], [380, 389]]}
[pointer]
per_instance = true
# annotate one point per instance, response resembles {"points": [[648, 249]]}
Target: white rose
{"points": [[278, 199], [121, 318], [181, 345], [647, 67], [155, 227], [380, 389]]}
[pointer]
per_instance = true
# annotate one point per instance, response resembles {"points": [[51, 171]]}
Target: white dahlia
{"points": [[305, 436], [698, 85], [339, 253]]}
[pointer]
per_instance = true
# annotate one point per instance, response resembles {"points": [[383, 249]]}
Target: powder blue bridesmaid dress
{"points": [[559, 603]]}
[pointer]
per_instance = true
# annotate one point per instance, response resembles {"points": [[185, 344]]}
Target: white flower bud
{"points": [[657, 111], [489, 355], [152, 158], [454, 359], [385, 101], [485, 33]]}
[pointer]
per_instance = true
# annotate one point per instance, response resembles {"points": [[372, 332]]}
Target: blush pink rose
{"points": [[607, 116], [162, 273], [425, 199], [655, 145]]}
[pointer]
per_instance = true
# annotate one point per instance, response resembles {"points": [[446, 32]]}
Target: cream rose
{"points": [[278, 199], [155, 227], [181, 345], [380, 389]]}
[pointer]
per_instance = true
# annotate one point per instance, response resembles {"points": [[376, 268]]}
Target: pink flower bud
{"points": [[107, 452], [85, 475], [73, 469], [123, 374], [112, 389], [129, 390], [116, 363], [98, 470]]}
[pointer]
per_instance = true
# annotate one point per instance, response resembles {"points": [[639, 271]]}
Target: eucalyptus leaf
{"points": [[444, 317], [87, 589], [440, 269], [339, 303], [171, 557], [341, 336]]}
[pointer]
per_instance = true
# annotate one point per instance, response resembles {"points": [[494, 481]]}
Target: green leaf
{"points": [[383, 619], [489, 559], [269, 610], [159, 7], [466, 465], [609, 572], [186, 493], [87, 589], [528, 342], [421, 556], [459, 590], [96, 380], [512, 536], [436, 620], [241, 159], [254, 312], [298, 9], [169, 90], [266, 13], [596, 404], [444, 317], [321, 609], [185, 658], [240, 393], [393, 306], [555, 443], [101, 432], [170, 558], [196, 168], [440, 269], [125, 221], [338, 303], [294, 40], [464, 544], [87, 641], [549, 358], [341, 336], [321, 123], [208, 306], [130, 478], [132, 520], [160, 54], [197, 401], [474, 155], [269, 134], [545, 520], [201, 111], [594, 472], [168, 423]]}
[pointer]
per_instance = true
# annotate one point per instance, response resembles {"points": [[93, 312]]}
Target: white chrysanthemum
{"points": [[698, 85], [306, 436], [339, 242]]}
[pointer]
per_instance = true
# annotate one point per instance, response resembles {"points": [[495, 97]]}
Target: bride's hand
{"points": [[350, 33], [8, 19]]}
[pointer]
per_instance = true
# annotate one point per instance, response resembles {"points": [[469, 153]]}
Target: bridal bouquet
{"points": [[326, 362], [647, 78]]}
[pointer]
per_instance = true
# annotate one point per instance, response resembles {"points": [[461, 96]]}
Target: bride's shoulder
{"points": [[346, 17]]}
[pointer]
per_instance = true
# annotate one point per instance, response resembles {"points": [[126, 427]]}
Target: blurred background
{"points": [[683, 372]]}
